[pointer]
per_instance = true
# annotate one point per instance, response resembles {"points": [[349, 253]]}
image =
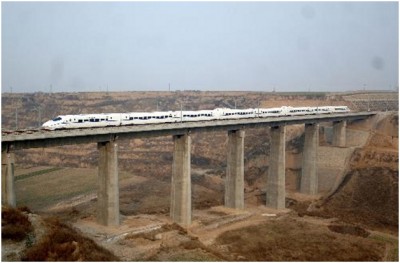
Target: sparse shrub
{"points": [[24, 209], [65, 244], [349, 229], [14, 224]]}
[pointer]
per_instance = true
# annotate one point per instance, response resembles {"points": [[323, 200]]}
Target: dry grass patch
{"points": [[290, 240], [14, 224], [65, 244]]}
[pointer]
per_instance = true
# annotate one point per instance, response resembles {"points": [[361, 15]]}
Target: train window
{"points": [[57, 119], [80, 120]]}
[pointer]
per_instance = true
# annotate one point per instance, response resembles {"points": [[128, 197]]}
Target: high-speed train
{"points": [[137, 118]]}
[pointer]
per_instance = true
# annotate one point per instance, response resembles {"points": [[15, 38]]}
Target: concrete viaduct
{"points": [[181, 210]]}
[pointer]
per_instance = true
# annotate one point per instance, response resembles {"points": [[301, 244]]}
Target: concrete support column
{"points": [[234, 181], [181, 193], [339, 134], [7, 179], [276, 172], [309, 179], [108, 187]]}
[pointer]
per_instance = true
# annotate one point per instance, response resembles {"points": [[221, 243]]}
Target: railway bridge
{"points": [[180, 211]]}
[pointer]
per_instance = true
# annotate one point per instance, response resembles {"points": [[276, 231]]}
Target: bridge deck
{"points": [[43, 138]]}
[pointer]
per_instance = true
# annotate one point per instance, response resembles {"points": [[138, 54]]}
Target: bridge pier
{"points": [[275, 194], [309, 178], [108, 186], [181, 193], [339, 134], [234, 181], [7, 178]]}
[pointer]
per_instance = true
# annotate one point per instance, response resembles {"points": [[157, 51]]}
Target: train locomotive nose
{"points": [[47, 125]]}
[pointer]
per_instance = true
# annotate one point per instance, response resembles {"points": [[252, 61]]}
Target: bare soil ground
{"points": [[254, 234]]}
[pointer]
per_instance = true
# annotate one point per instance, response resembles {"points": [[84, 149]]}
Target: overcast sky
{"points": [[289, 46]]}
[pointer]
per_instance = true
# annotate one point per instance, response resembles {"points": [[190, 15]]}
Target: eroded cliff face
{"points": [[368, 193]]}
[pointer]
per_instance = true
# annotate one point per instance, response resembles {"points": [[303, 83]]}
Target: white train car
{"points": [[137, 118], [83, 121], [340, 109], [298, 111], [200, 115], [269, 112], [225, 113]]}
